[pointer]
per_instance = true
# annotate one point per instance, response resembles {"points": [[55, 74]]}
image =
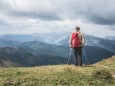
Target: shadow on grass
{"points": [[87, 66]]}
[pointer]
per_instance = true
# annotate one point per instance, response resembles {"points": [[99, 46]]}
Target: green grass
{"points": [[60, 75]]}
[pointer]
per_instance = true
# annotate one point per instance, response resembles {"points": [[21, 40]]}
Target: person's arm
{"points": [[83, 40], [70, 41]]}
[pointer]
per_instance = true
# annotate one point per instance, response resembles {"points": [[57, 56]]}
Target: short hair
{"points": [[77, 28]]}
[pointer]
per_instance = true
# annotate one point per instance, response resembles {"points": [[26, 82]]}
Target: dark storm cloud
{"points": [[94, 11], [100, 20], [7, 8], [35, 15]]}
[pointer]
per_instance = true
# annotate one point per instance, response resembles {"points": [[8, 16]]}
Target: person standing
{"points": [[77, 43]]}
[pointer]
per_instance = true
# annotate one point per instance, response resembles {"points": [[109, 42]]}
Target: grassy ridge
{"points": [[61, 75]]}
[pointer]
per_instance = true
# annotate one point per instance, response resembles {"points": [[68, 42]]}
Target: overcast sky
{"points": [[95, 17]]}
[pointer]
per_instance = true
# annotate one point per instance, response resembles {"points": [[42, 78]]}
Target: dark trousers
{"points": [[78, 56]]}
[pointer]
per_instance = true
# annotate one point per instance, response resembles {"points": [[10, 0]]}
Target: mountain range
{"points": [[49, 48]]}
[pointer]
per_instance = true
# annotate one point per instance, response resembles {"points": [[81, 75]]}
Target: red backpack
{"points": [[75, 39]]}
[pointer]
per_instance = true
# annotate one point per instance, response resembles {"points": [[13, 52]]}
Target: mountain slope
{"points": [[95, 54], [21, 56], [8, 43], [61, 75], [38, 53], [44, 48]]}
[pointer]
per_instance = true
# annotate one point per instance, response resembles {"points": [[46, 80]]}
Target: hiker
{"points": [[77, 42]]}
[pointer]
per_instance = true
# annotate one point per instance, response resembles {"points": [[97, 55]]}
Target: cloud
{"points": [[42, 10], [95, 11], [28, 16]]}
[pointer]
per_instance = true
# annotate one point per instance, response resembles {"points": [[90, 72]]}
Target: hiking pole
{"points": [[85, 56], [69, 55]]}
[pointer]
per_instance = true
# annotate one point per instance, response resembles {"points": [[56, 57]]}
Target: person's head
{"points": [[77, 28]]}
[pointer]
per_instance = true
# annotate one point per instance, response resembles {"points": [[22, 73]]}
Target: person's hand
{"points": [[71, 46], [82, 44]]}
